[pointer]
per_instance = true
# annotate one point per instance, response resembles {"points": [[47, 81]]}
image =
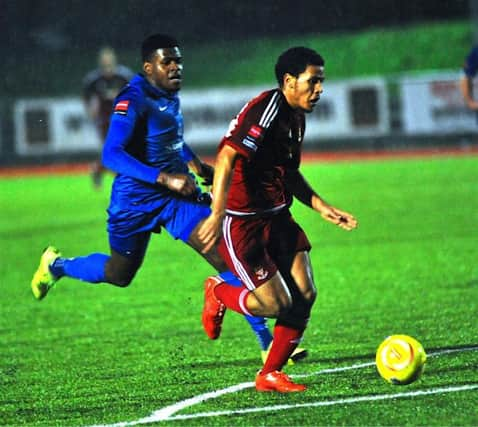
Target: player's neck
{"points": [[290, 99], [159, 88]]}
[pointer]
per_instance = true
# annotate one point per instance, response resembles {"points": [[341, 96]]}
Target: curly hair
{"points": [[295, 60]]}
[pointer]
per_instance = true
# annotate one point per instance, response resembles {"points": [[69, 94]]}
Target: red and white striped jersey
{"points": [[267, 133]]}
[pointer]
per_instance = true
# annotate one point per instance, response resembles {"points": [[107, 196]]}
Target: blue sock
{"points": [[230, 278], [260, 328], [258, 324], [89, 268]]}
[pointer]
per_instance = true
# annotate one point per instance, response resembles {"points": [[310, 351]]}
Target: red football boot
{"points": [[277, 381], [214, 310]]}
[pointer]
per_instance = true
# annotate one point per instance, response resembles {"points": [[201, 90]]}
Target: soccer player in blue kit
{"points": [[470, 68], [153, 188]]}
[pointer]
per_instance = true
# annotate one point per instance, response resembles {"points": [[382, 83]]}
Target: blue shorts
{"points": [[130, 230]]}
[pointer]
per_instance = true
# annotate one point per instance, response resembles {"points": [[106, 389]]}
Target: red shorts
{"points": [[254, 248]]}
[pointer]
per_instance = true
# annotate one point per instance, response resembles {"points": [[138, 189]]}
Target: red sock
{"points": [[285, 342], [233, 297]]}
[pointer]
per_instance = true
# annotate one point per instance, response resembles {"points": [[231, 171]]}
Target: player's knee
{"points": [[310, 295], [286, 303], [279, 305], [293, 320], [124, 282], [121, 280]]}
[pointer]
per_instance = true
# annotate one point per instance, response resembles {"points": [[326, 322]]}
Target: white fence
{"points": [[430, 104], [346, 109], [53, 125]]}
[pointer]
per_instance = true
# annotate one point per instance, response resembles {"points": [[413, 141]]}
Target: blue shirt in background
{"points": [[471, 63]]}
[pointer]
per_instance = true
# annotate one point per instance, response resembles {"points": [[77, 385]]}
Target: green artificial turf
{"points": [[96, 354]]}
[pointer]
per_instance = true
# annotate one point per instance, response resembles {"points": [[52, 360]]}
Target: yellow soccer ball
{"points": [[400, 359]]}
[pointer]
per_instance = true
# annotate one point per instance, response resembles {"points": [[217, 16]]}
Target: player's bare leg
{"points": [[289, 328], [270, 302], [214, 310], [302, 274], [120, 270], [212, 257]]}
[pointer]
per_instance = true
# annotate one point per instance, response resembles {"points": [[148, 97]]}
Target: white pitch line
{"points": [[367, 364], [167, 413], [453, 350], [369, 398], [334, 370]]}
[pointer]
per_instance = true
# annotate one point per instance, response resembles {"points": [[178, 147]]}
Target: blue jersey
{"points": [[471, 63], [145, 137]]}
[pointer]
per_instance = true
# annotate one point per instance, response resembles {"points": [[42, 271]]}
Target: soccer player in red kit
{"points": [[100, 88], [256, 177]]}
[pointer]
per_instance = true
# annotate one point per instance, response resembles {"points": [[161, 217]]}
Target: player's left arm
{"points": [[303, 192], [200, 168]]}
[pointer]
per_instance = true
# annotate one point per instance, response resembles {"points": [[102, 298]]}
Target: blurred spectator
{"points": [[470, 69], [100, 88]]}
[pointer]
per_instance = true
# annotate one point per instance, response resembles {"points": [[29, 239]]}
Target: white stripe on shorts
{"points": [[241, 271]]}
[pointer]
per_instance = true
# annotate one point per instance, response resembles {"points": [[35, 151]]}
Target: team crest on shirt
{"points": [[261, 273], [121, 107], [253, 134], [255, 131]]}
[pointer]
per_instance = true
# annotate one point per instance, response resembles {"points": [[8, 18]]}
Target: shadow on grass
{"points": [[353, 359]]}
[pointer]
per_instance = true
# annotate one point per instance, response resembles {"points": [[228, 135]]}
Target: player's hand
{"points": [[180, 183], [336, 216], [473, 105], [210, 231], [207, 174]]}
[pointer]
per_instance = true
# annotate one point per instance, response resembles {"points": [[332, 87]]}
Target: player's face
{"points": [[108, 64], [303, 92], [165, 69]]}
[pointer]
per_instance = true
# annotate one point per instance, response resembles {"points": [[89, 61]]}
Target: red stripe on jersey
{"points": [[122, 106]]}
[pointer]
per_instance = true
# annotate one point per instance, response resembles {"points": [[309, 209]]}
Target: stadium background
{"points": [[96, 355], [48, 47]]}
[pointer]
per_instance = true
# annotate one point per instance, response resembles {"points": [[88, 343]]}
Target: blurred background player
{"points": [[153, 188], [100, 88], [256, 178]]}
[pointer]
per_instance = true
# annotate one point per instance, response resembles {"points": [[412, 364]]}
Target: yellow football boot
{"points": [[43, 280], [298, 354]]}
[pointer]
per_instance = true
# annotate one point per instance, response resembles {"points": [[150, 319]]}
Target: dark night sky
{"points": [[58, 25]]}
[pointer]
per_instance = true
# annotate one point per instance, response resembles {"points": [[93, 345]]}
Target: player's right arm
{"points": [[244, 136], [210, 229], [127, 111]]}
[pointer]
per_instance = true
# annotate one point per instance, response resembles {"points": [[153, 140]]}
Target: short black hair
{"points": [[295, 60], [156, 41]]}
